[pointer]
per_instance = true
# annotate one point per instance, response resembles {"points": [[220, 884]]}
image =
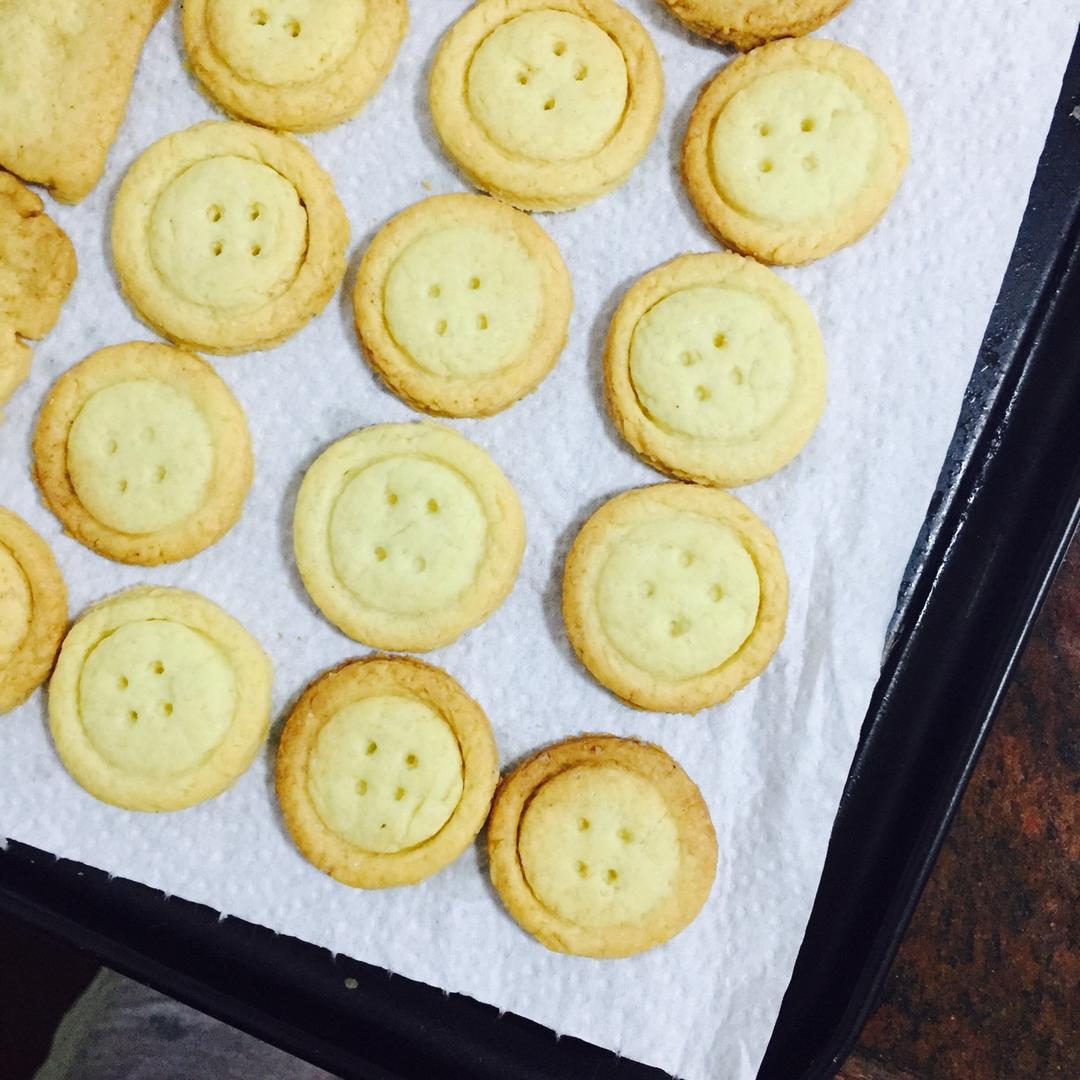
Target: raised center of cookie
{"points": [[549, 86], [463, 301], [156, 698], [678, 596], [793, 146], [713, 362], [229, 232], [386, 773], [16, 606], [598, 846], [275, 42], [140, 456], [407, 535]]}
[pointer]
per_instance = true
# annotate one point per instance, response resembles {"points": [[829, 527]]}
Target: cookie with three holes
{"points": [[297, 65], [546, 104], [601, 846], [674, 596], [749, 23], [228, 237], [462, 304], [143, 453], [159, 700], [385, 771], [407, 535], [795, 149]]}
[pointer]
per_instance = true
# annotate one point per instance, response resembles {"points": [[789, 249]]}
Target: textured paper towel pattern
{"points": [[902, 314]]}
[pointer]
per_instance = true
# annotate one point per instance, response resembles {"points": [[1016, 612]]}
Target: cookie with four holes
{"points": [[795, 149], [385, 771], [714, 369], [547, 104], [407, 535], [462, 304], [297, 65], [33, 610], [228, 237], [749, 23], [601, 846], [143, 453], [674, 596], [159, 700]]}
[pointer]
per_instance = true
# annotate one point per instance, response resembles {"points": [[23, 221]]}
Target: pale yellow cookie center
{"points": [[794, 146], [229, 233], [386, 773], [463, 301], [140, 455], [275, 42], [548, 86], [713, 362], [407, 535], [156, 698], [599, 846], [16, 606], [678, 596]]}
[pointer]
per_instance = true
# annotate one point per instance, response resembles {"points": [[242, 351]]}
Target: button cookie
{"points": [[462, 304], [66, 68], [300, 65], [143, 453], [228, 237], [37, 267], [795, 150], [33, 610], [601, 846], [385, 771], [749, 23], [160, 699], [674, 596], [407, 535], [547, 104], [714, 369]]}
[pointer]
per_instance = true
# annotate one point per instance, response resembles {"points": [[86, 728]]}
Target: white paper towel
{"points": [[902, 314]]}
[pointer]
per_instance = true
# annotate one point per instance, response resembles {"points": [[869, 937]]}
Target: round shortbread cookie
{"points": [[714, 369], [33, 610], [462, 304], [228, 237], [749, 23], [385, 771], [407, 535], [601, 846], [160, 699], [143, 453], [674, 596], [547, 104], [795, 149], [297, 65]]}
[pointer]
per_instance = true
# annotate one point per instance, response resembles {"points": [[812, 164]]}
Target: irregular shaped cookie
{"points": [[385, 771], [143, 453], [66, 68], [160, 699], [37, 267], [547, 104], [228, 237], [601, 846], [714, 369], [749, 23], [33, 610], [795, 149], [407, 535], [462, 304], [674, 596], [299, 65]]}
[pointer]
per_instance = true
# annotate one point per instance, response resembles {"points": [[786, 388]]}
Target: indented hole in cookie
{"points": [[399, 794], [440, 327], [678, 627], [559, 48], [474, 283], [133, 716], [256, 250], [716, 594], [214, 212], [434, 291], [686, 558], [807, 124], [216, 247], [122, 682], [411, 761], [720, 340], [167, 708], [380, 554], [687, 359], [549, 104], [292, 27], [580, 72], [650, 589], [809, 163], [149, 434], [259, 17], [611, 875], [702, 393], [158, 667], [391, 498], [523, 78], [766, 166], [110, 446], [582, 869], [625, 835], [583, 824], [737, 376], [372, 746], [432, 506], [481, 322], [160, 473], [420, 564], [123, 486], [764, 130], [254, 212], [361, 787]]}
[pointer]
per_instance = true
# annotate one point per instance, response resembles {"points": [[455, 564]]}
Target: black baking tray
{"points": [[1006, 505]]}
